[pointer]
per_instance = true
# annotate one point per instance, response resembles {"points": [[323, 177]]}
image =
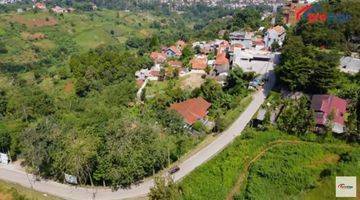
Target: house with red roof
{"points": [[175, 63], [222, 63], [199, 62], [172, 51], [40, 6], [158, 57], [329, 106], [192, 110]]}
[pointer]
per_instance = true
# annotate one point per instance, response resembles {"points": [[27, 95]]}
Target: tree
{"points": [[3, 49], [306, 68], [248, 17], [3, 103], [296, 118], [164, 189], [275, 46], [236, 84]]}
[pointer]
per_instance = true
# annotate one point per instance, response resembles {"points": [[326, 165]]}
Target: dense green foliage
{"points": [[310, 62], [296, 117], [89, 125], [165, 189], [278, 174], [306, 68], [305, 64], [67, 94], [215, 179]]}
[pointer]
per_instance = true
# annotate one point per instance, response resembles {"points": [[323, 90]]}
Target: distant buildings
{"points": [[328, 109], [242, 37], [172, 51], [40, 6], [257, 61], [158, 57], [293, 11], [199, 62], [275, 34], [222, 64]]}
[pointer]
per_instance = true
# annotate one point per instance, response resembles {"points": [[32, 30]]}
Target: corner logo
{"points": [[343, 186], [346, 186], [316, 13]]}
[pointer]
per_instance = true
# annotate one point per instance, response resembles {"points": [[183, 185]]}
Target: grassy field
{"points": [[76, 32], [271, 165], [241, 104], [10, 191]]}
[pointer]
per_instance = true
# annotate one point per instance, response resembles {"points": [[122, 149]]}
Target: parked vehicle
{"points": [[174, 169]]}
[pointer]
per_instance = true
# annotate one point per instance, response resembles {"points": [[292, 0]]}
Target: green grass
{"points": [[271, 165], [293, 171], [215, 179], [10, 191], [82, 31], [234, 113]]}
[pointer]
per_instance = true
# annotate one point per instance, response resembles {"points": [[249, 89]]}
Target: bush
{"points": [[198, 126]]}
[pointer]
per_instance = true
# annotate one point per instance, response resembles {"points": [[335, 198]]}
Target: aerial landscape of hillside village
{"points": [[179, 99]]}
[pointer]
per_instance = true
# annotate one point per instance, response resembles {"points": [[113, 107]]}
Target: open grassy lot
{"points": [[10, 191], [66, 34], [215, 179], [272, 165], [299, 171]]}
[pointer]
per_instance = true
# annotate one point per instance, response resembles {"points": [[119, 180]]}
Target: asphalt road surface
{"points": [[16, 174]]}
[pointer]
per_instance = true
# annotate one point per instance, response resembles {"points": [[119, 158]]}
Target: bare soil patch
{"points": [[192, 81], [40, 22], [69, 86]]}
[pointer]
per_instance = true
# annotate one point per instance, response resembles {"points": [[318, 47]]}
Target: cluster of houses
{"points": [[250, 51], [56, 9]]}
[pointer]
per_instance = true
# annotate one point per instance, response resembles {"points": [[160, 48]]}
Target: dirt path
{"points": [[244, 173]]}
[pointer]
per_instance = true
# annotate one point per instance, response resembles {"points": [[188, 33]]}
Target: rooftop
{"points": [[192, 109]]}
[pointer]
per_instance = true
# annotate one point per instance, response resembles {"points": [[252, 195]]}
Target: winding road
{"points": [[15, 174]]}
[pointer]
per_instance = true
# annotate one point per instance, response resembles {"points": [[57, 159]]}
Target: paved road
{"points": [[15, 174]]}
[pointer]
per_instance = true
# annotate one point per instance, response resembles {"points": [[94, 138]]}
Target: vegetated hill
{"points": [[272, 165], [42, 39]]}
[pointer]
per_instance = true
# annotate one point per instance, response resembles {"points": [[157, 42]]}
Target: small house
{"points": [[172, 52], [199, 62], [158, 57], [192, 110], [222, 63], [329, 109]]}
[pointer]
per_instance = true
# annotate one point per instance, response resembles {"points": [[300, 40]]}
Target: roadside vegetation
{"points": [[10, 191], [67, 92], [265, 164]]}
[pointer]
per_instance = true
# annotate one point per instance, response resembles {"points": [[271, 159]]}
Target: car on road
{"points": [[174, 169]]}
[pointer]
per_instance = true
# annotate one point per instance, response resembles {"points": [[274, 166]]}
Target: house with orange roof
{"points": [[199, 62], [175, 63], [158, 57], [192, 110], [222, 63], [40, 6], [172, 51]]}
